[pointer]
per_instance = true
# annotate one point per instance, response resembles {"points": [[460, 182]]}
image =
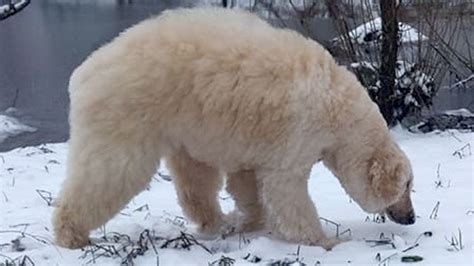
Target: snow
{"points": [[409, 99], [10, 126], [460, 112], [4, 9], [372, 31], [443, 181], [365, 64]]}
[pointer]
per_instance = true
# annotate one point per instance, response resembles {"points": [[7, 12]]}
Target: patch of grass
{"points": [[223, 261], [121, 246], [184, 241], [23, 260]]}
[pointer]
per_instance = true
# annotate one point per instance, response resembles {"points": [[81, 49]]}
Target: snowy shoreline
{"points": [[10, 126], [30, 179]]}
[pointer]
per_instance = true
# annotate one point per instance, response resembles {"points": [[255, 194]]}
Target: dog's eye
{"points": [[408, 184]]}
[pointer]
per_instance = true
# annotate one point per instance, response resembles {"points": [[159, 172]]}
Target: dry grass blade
{"points": [[121, 246], [434, 212], [184, 241], [46, 196], [39, 239], [464, 151], [455, 243]]}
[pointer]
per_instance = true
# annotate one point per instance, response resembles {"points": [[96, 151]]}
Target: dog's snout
{"points": [[410, 218]]}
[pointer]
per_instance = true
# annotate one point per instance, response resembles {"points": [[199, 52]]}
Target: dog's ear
{"points": [[386, 175]]}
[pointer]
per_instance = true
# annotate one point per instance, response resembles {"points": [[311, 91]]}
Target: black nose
{"points": [[405, 220], [411, 219]]}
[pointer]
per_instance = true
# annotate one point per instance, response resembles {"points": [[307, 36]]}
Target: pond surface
{"points": [[41, 46]]}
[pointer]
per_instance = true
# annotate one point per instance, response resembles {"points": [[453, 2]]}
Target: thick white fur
{"points": [[218, 91]]}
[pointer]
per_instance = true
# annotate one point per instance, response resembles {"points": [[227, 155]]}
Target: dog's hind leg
{"points": [[243, 187], [104, 172], [197, 185]]}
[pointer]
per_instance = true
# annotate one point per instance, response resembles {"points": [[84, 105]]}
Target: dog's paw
{"points": [[68, 233], [69, 238], [330, 243], [243, 224]]}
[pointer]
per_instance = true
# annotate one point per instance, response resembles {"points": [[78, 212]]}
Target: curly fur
{"points": [[218, 92]]}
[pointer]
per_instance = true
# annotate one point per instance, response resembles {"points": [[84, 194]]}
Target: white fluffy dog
{"points": [[214, 92]]}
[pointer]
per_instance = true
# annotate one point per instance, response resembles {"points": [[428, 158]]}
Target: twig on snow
{"points": [[184, 241], [165, 177], [252, 258], [387, 259], [464, 151], [39, 239], [142, 208], [46, 196], [337, 225], [439, 181], [456, 242], [5, 196], [434, 212]]}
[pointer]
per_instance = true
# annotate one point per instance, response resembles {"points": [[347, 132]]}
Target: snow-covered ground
{"points": [[149, 230], [15, 6], [10, 126]]}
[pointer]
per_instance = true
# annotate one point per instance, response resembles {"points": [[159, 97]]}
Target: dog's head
{"points": [[391, 179], [380, 182]]}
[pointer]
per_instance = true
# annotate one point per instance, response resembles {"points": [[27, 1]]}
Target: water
{"points": [[41, 46]]}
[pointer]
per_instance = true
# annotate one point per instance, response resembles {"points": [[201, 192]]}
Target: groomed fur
{"points": [[219, 91]]}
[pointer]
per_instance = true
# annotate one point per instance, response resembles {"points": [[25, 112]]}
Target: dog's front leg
{"points": [[290, 211]]}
